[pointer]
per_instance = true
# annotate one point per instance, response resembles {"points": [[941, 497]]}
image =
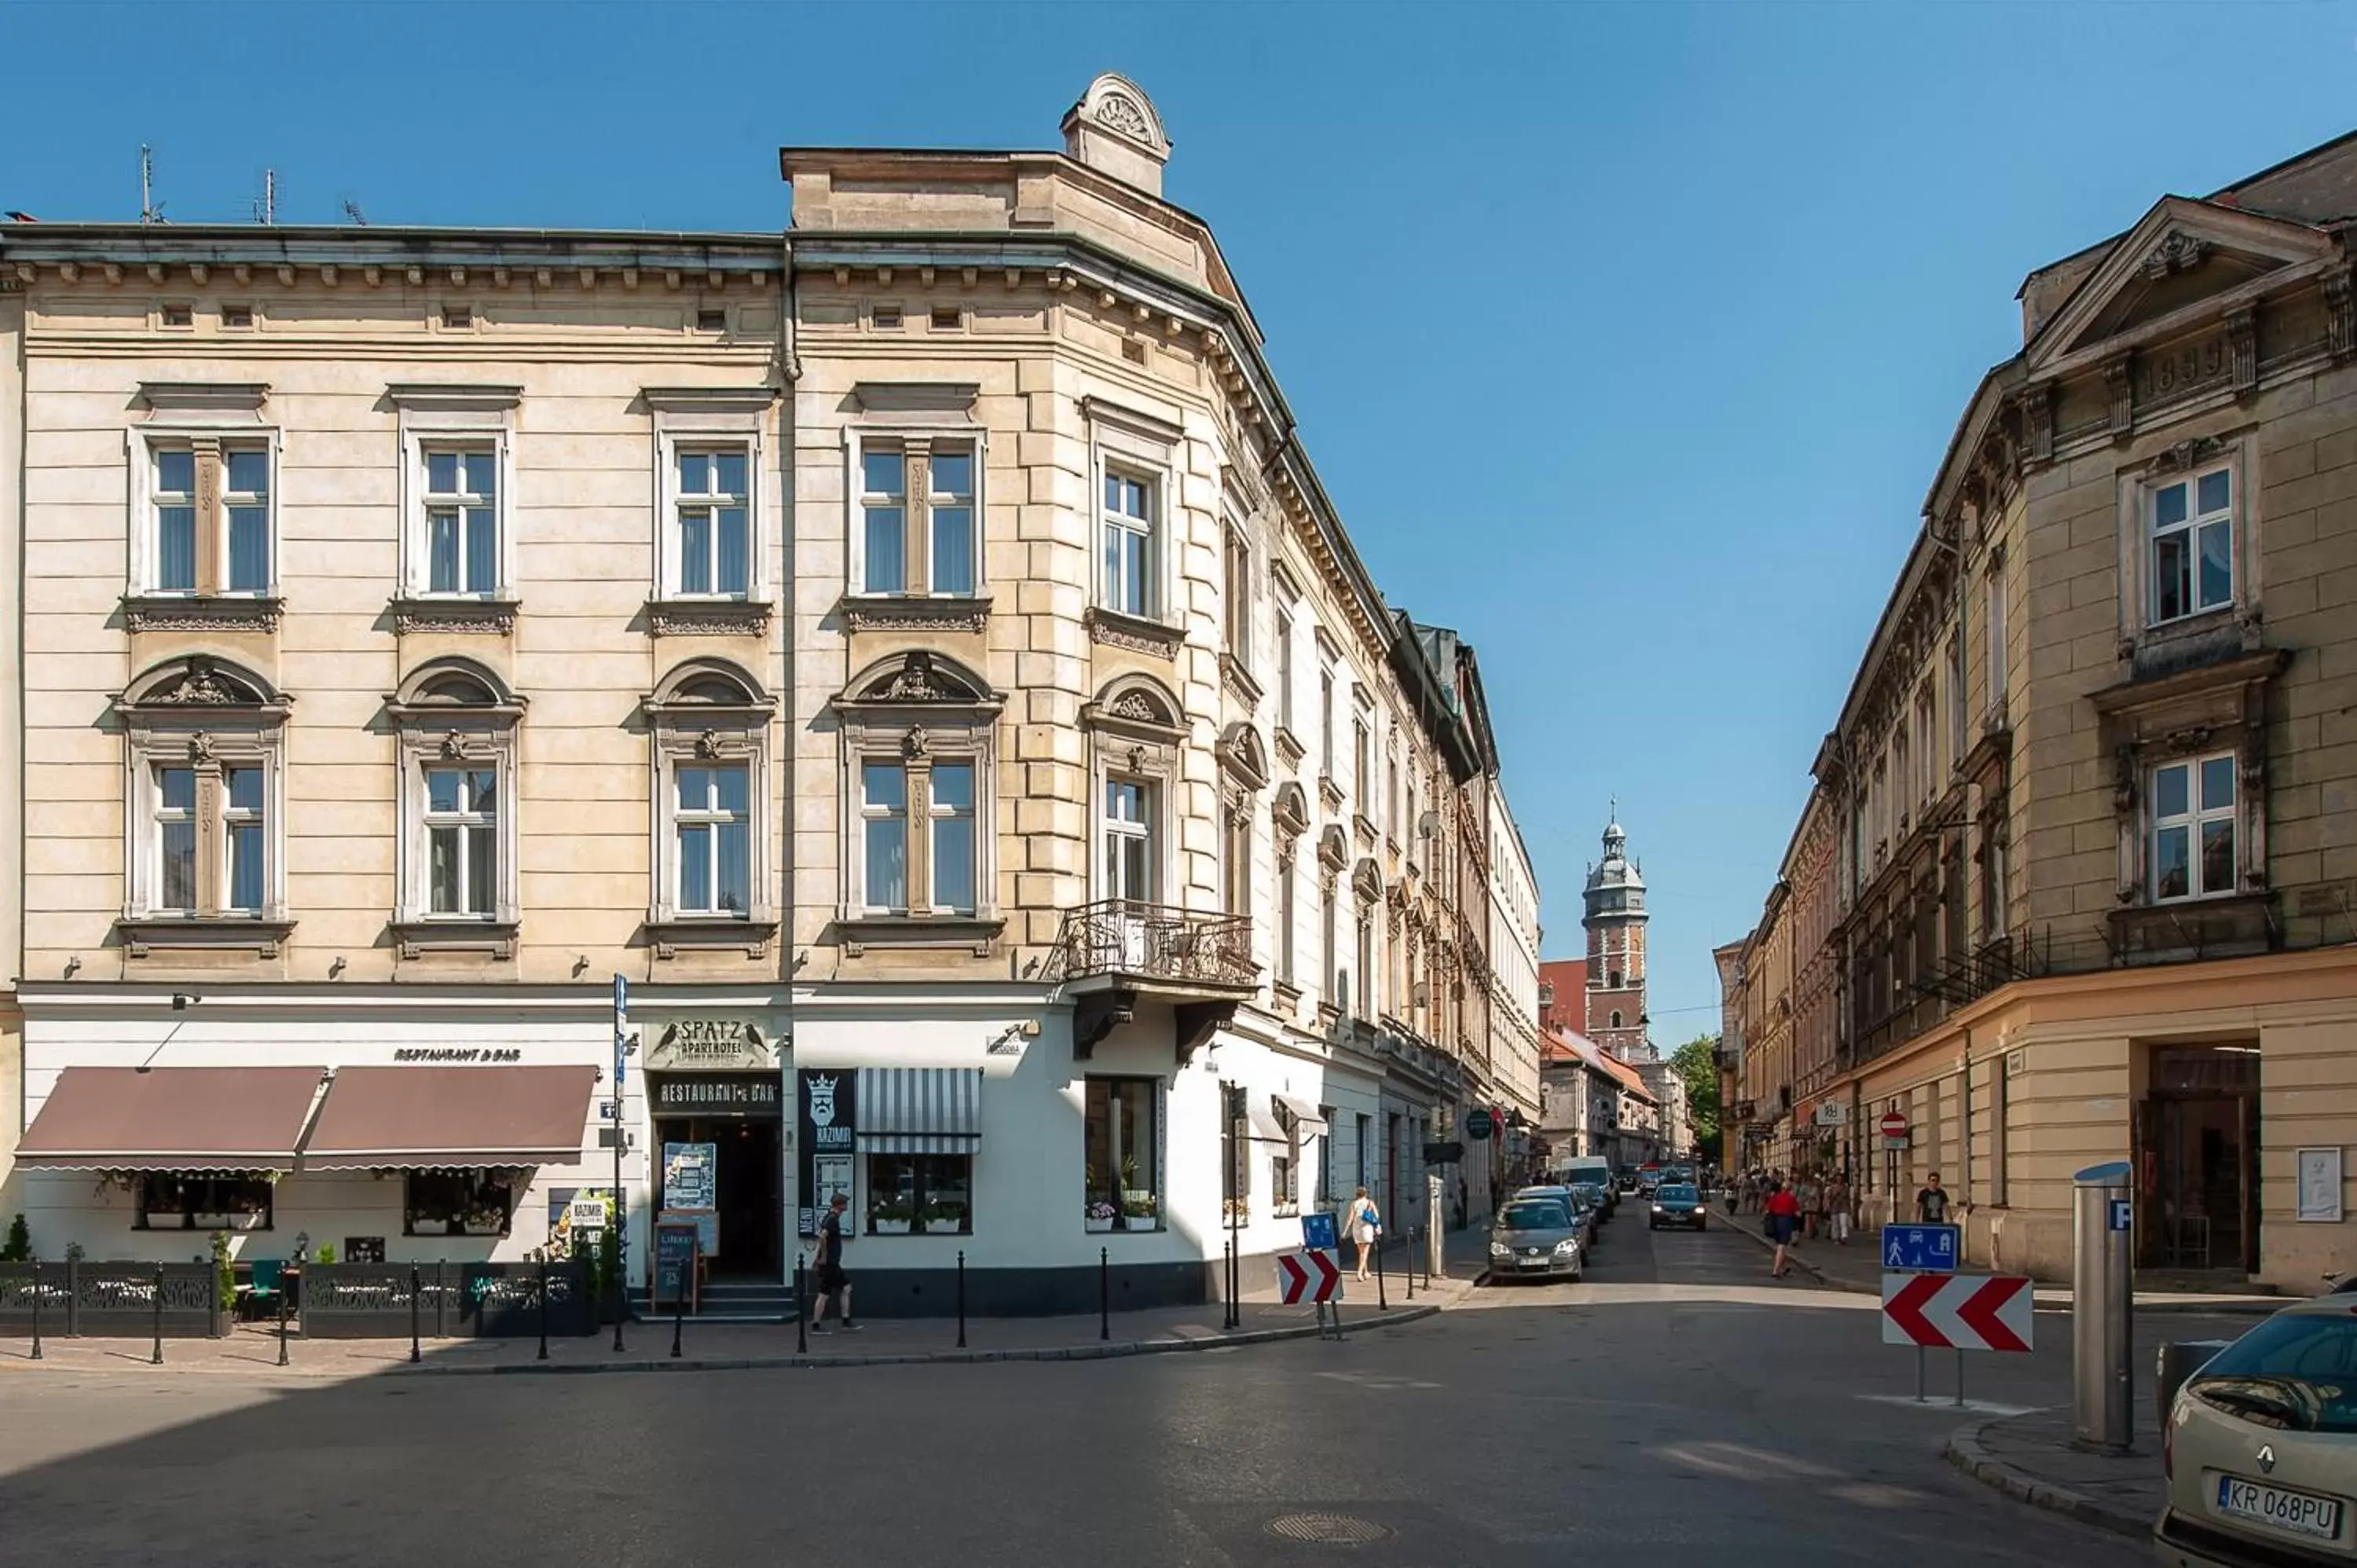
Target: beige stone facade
{"points": [[2095, 779], [927, 616]]}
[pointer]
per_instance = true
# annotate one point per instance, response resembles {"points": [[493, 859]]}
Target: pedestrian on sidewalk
{"points": [[1837, 1201], [832, 1283], [1932, 1202], [1784, 1212], [1366, 1223]]}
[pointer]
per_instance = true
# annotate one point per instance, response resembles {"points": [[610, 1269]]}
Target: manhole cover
{"points": [[1326, 1528]]}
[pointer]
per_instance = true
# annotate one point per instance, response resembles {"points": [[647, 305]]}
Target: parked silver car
{"points": [[1586, 1217], [1535, 1238], [2261, 1448]]}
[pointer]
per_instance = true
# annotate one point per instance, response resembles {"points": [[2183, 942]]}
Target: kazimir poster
{"points": [[827, 1103]]}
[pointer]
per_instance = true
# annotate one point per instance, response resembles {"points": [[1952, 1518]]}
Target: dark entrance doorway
{"points": [[2198, 1161], [739, 1115]]}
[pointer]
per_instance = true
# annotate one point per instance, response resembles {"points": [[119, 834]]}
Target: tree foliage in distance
{"points": [[1697, 1064]]}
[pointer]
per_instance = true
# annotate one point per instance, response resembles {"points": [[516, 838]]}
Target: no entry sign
{"points": [[1894, 1128], [1956, 1312]]}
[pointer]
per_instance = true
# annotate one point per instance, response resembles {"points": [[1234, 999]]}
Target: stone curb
{"points": [[1966, 1453], [1100, 1351]]}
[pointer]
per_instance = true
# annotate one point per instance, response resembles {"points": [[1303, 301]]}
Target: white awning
{"points": [[1263, 1123], [1312, 1118], [920, 1109]]}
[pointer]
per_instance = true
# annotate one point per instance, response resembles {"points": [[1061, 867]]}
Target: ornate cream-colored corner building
{"points": [[2076, 882], [913, 652]]}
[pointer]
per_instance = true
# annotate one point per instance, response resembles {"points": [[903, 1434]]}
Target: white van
{"points": [[1592, 1170]]}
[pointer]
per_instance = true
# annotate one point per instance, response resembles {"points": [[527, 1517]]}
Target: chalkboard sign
{"points": [[675, 1254], [364, 1249]]}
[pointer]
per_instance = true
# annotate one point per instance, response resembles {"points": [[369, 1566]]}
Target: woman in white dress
{"points": [[1365, 1222]]}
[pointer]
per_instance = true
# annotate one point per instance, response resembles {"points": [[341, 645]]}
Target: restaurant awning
{"points": [[172, 1119], [454, 1118], [920, 1109], [1309, 1115], [1263, 1123]]}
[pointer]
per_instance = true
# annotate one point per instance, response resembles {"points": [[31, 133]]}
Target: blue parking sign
{"points": [[1318, 1233], [1921, 1249]]}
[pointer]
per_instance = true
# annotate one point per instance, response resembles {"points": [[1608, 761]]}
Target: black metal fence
{"points": [[111, 1300], [374, 1301]]}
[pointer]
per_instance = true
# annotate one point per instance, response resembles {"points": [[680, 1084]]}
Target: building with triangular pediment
{"points": [[2094, 785]]}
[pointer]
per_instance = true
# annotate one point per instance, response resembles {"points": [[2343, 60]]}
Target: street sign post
{"points": [[1921, 1249], [1956, 1312], [621, 1140]]}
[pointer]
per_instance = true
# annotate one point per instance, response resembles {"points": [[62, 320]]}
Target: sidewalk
{"points": [[252, 1351], [1858, 1267], [2030, 1458]]}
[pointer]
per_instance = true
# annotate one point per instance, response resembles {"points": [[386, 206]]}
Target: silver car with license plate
{"points": [[2261, 1448], [1534, 1238]]}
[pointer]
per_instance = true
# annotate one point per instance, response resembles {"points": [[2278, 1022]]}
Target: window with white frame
{"points": [[206, 749], [1994, 630], [917, 739], [456, 732], [2190, 546], [1284, 670], [712, 826], [1959, 741], [1326, 754], [710, 735], [712, 511], [917, 529], [1287, 914], [207, 524], [462, 842], [1337, 984], [1366, 964], [2193, 819], [1927, 743], [1131, 833], [461, 499], [1363, 770], [1993, 878], [1238, 587], [1235, 857], [1131, 522]]}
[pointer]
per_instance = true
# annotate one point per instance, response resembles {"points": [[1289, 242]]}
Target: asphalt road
{"points": [[1678, 1409]]}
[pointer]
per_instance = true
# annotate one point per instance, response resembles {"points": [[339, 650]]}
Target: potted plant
{"points": [[1139, 1210], [945, 1216], [892, 1217], [1099, 1215]]}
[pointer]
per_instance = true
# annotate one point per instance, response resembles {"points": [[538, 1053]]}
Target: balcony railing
{"points": [[1155, 941]]}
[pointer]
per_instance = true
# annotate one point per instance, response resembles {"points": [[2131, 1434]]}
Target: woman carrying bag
{"points": [[1365, 1222]]}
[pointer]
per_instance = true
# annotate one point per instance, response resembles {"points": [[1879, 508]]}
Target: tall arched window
{"points": [[454, 724], [708, 723]]}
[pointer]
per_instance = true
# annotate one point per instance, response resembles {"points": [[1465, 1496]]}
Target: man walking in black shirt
{"points": [[828, 1265]]}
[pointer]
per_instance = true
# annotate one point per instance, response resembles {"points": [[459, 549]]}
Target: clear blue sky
{"points": [[1626, 338]]}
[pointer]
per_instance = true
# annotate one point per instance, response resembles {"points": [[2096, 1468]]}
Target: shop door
{"points": [[747, 1192], [2197, 1157]]}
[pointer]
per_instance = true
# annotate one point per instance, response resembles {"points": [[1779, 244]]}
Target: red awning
{"points": [[424, 1118], [172, 1119]]}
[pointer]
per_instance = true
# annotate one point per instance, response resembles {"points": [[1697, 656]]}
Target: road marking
{"points": [[1978, 1407]]}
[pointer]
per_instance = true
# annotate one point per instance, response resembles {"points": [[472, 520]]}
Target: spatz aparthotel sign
{"points": [[710, 1045]]}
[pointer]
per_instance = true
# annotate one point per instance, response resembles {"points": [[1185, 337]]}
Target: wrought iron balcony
{"points": [[1160, 947]]}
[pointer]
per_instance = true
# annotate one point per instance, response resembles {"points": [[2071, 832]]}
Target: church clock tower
{"points": [[1615, 918]]}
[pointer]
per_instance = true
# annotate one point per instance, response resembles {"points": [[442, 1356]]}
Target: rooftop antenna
{"points": [[148, 211], [353, 210], [266, 210]]}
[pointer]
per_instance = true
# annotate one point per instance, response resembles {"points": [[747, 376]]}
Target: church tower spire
{"points": [[1615, 918]]}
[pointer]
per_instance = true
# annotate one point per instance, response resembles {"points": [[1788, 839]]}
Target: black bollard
{"points": [[282, 1319], [1104, 1293], [158, 1359], [802, 1305], [414, 1354], [543, 1310], [1410, 1263], [1382, 1303], [678, 1315], [37, 1311], [960, 1295]]}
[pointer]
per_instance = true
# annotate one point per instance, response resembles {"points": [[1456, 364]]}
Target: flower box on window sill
{"points": [[671, 933], [716, 617], [490, 616], [417, 937], [1118, 629], [888, 1227], [143, 935], [975, 934], [201, 612], [915, 612], [1095, 1226], [221, 1221]]}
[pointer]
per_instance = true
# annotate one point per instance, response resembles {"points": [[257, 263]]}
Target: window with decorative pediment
{"points": [[205, 745], [709, 724], [1244, 773], [455, 724], [204, 511], [1136, 733], [712, 555], [919, 792], [2186, 586], [457, 499]]}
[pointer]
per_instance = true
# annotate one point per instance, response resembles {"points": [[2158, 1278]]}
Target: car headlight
{"points": [[1565, 1248], [1658, 1209], [1499, 1250]]}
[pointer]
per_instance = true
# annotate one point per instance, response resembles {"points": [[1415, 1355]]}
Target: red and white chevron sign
{"points": [[1956, 1312], [1308, 1275]]}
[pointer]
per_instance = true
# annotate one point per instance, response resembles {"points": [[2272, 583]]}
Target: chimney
{"points": [[1114, 129]]}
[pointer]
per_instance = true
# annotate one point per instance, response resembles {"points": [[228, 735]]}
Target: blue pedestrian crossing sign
{"points": [[1921, 1249], [1318, 1233]]}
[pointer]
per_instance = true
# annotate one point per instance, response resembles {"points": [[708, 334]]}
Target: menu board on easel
{"points": [[675, 1254]]}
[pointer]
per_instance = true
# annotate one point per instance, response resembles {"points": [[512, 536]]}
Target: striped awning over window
{"points": [[920, 1109]]}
